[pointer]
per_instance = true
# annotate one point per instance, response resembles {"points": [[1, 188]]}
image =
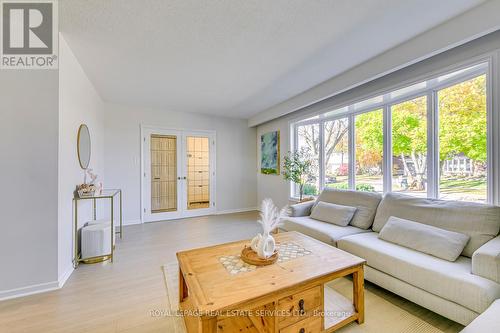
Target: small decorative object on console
{"points": [[85, 190], [93, 181]]}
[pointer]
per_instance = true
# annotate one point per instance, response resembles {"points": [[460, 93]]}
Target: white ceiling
{"points": [[234, 57]]}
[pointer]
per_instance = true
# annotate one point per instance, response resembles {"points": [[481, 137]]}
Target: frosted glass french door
{"points": [[198, 173], [179, 174]]}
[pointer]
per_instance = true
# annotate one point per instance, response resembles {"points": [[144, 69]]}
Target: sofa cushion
{"points": [[365, 202], [322, 231], [425, 238], [444, 307], [302, 208], [332, 213], [481, 222], [450, 280]]}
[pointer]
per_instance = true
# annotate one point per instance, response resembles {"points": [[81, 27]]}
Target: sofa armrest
{"points": [[486, 260], [487, 321], [301, 209]]}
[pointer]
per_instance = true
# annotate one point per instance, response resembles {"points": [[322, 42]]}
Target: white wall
{"points": [[79, 103], [28, 165], [236, 186], [277, 189]]}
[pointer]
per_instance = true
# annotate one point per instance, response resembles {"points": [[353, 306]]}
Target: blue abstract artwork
{"points": [[270, 153]]}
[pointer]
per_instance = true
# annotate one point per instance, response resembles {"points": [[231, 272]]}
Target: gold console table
{"points": [[110, 194]]}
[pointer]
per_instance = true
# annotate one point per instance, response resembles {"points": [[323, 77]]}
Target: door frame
{"points": [[182, 212], [146, 176]]}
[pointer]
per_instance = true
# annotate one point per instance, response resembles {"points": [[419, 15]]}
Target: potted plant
{"points": [[297, 167]]}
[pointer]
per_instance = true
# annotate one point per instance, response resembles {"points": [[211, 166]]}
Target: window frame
{"points": [[432, 87]]}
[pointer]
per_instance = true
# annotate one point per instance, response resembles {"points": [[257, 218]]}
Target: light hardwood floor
{"points": [[119, 297]]}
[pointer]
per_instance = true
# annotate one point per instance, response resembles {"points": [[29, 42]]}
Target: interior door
{"points": [[199, 152], [162, 180], [178, 173]]}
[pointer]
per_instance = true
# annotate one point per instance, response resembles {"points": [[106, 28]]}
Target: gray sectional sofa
{"points": [[459, 290]]}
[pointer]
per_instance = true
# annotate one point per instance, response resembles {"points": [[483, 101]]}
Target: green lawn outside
{"points": [[458, 188]]}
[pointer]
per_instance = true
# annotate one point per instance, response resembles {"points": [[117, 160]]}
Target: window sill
{"points": [[295, 200]]}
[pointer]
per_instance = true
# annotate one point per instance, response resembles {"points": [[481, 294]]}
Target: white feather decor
{"points": [[271, 216]]}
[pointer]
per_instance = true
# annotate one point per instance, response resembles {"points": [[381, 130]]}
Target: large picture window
{"points": [[429, 139]]}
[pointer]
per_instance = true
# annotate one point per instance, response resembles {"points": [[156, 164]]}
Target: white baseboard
{"points": [[131, 222], [29, 290], [65, 276], [237, 210], [37, 288]]}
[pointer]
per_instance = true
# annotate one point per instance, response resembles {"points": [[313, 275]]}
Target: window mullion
{"points": [[492, 130], [433, 172], [387, 150], [294, 188], [351, 152], [321, 171]]}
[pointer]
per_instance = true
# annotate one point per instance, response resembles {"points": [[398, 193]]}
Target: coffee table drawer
{"points": [[308, 325], [299, 306]]}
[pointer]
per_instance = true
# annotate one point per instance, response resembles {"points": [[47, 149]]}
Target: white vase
{"points": [[255, 242], [264, 245]]}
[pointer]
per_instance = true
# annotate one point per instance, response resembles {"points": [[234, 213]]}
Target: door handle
{"points": [[157, 178]]}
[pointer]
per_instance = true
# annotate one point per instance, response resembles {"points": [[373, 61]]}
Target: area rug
{"points": [[380, 316]]}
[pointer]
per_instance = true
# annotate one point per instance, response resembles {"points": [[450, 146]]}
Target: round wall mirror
{"points": [[84, 146]]}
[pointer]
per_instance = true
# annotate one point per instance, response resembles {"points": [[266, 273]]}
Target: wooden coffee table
{"points": [[284, 297]]}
